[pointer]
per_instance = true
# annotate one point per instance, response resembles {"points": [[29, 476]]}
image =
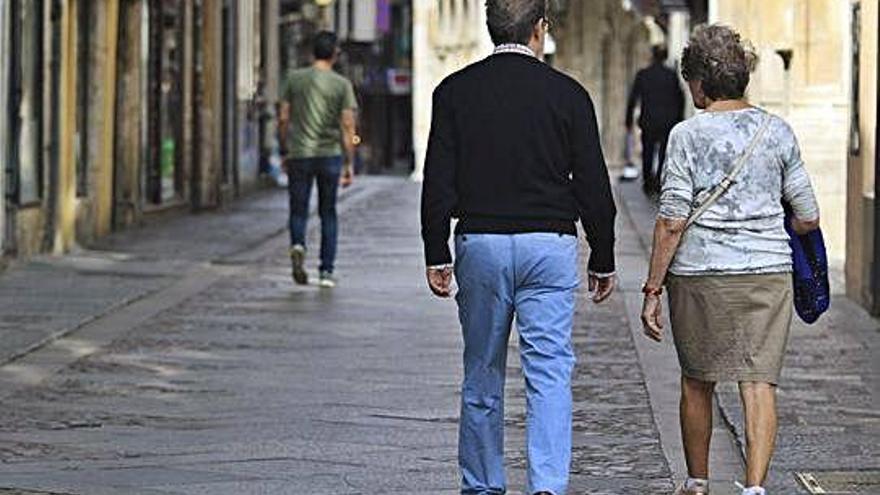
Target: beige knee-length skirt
{"points": [[731, 327]]}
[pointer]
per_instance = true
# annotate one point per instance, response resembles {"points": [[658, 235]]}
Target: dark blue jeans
{"points": [[303, 172]]}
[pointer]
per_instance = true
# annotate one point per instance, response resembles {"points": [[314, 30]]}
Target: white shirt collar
{"points": [[514, 48]]}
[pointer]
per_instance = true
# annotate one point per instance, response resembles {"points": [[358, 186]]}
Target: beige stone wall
{"points": [[861, 194], [818, 106], [94, 210], [599, 43], [602, 46], [447, 36]]}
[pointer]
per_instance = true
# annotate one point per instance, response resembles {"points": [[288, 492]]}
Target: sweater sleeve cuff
{"points": [[602, 261], [437, 253]]}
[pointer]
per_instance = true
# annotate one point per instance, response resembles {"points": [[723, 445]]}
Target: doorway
{"points": [[24, 167], [164, 175]]}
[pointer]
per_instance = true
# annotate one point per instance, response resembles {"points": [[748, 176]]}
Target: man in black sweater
{"points": [[514, 155], [657, 89]]}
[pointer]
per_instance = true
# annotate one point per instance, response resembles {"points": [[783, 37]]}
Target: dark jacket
{"points": [[514, 148], [662, 101]]}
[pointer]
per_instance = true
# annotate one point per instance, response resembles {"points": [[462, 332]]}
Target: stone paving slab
{"points": [[42, 301], [49, 296]]}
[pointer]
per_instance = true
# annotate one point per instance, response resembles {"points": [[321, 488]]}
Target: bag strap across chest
{"points": [[730, 179]]}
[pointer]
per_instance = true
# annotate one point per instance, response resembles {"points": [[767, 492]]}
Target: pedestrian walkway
{"points": [[193, 365]]}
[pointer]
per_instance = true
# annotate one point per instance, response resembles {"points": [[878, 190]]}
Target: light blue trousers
{"points": [[533, 277]]}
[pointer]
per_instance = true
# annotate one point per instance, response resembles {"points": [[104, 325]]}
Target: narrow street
{"points": [[179, 358]]}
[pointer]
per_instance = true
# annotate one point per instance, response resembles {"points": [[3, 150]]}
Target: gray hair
{"points": [[512, 21], [720, 59]]}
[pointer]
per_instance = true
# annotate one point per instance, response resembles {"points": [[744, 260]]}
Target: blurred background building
{"points": [[376, 38], [119, 110], [862, 208], [122, 108]]}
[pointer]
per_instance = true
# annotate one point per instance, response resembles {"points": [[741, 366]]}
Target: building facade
{"points": [[119, 109], [813, 94], [602, 44], [447, 36], [863, 247], [376, 42]]}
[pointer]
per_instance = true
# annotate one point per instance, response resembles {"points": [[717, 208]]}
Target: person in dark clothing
{"points": [[514, 154], [657, 90]]}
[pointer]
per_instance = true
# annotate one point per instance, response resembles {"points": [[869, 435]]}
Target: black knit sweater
{"points": [[514, 148]]}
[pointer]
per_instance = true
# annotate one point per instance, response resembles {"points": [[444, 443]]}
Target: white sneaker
{"points": [[327, 280]]}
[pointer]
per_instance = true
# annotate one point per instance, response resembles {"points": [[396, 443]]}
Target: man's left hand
{"points": [[440, 281]]}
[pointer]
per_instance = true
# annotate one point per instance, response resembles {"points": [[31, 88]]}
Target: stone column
{"points": [[422, 83], [103, 183], [271, 65], [65, 231], [679, 32], [211, 109]]}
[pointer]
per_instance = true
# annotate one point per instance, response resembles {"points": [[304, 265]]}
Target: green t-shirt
{"points": [[317, 99]]}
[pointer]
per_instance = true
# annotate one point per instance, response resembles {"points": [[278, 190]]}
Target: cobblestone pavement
{"points": [[829, 392], [232, 380], [192, 365]]}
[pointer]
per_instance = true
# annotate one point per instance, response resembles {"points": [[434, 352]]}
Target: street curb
{"points": [[64, 332], [663, 380], [40, 363]]}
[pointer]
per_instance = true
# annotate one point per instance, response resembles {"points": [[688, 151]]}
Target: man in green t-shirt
{"points": [[318, 133]]}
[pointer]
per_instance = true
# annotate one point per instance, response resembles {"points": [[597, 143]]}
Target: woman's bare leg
{"points": [[759, 405], [695, 414]]}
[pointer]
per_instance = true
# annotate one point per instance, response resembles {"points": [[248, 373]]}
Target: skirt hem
{"points": [[735, 376]]}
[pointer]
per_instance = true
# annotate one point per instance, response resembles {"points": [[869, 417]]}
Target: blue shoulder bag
{"points": [[812, 291]]}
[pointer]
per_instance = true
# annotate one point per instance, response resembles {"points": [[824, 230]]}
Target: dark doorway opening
{"points": [[164, 177], [229, 112]]}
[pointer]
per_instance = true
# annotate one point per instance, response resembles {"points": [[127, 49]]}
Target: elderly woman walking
{"points": [[723, 254]]}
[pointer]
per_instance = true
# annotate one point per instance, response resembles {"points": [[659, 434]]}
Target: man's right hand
{"points": [[347, 177], [440, 281], [602, 287]]}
